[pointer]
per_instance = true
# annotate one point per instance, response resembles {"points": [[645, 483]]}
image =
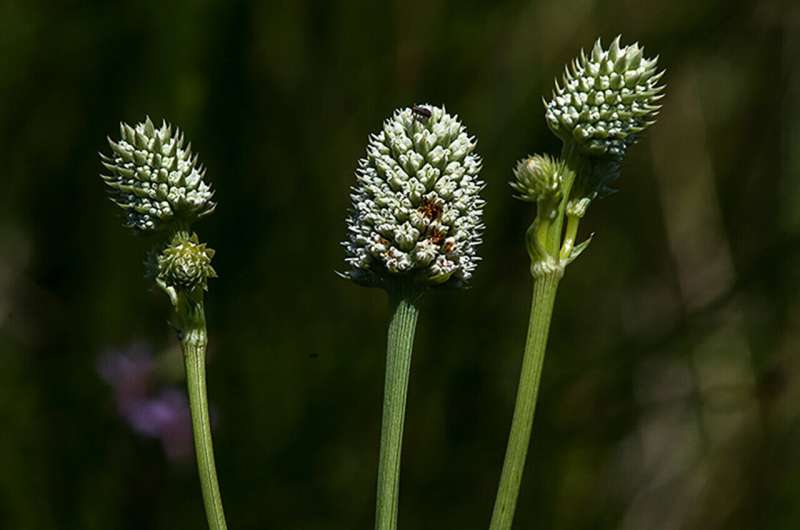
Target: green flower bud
{"points": [[416, 211], [185, 263], [155, 178], [539, 178], [606, 100]]}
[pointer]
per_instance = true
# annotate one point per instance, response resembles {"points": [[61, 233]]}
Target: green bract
{"points": [[185, 264], [155, 178], [416, 211], [538, 178], [606, 99]]}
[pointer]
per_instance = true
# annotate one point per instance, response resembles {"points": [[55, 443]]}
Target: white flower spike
{"points": [[155, 178], [606, 99], [416, 210]]}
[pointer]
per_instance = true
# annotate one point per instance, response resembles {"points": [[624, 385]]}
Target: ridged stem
{"points": [[544, 294], [194, 339], [398, 365]]}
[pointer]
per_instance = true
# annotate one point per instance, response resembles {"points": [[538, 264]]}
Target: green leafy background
{"points": [[670, 396]]}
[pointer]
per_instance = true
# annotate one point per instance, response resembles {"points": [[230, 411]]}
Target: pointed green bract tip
{"points": [[185, 263], [155, 178], [606, 99]]}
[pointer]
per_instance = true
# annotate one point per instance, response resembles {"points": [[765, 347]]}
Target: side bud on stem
{"points": [[545, 181], [185, 264], [539, 179]]}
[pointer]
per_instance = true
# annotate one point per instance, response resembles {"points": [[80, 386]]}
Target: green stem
{"points": [[398, 365], [574, 163], [570, 233], [544, 294], [194, 339]]}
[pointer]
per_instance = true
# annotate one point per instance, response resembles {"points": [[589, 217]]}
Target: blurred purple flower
{"points": [[151, 409], [130, 372], [165, 417]]}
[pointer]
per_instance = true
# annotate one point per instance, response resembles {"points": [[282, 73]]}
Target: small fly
{"points": [[421, 113]]}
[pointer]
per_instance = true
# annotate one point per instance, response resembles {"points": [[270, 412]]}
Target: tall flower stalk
{"points": [[606, 99], [414, 225], [157, 181]]}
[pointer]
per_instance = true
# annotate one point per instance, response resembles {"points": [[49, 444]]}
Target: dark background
{"points": [[670, 397]]}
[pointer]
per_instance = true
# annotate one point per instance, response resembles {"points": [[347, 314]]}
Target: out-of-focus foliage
{"points": [[671, 396]]}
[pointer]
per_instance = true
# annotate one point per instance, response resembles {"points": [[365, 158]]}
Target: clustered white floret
{"points": [[155, 178], [416, 210], [606, 99]]}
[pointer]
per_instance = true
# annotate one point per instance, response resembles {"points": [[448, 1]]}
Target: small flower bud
{"points": [[155, 178], [185, 263], [606, 99], [538, 178], [416, 211]]}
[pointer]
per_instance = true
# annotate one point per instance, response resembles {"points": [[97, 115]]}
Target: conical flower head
{"points": [[155, 178], [606, 99], [416, 211], [185, 263]]}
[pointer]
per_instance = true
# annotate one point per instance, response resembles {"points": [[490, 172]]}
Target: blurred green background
{"points": [[670, 398]]}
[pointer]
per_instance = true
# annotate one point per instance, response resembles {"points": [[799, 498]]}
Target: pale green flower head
{"points": [[185, 263], [155, 178], [416, 212], [539, 178], [606, 99]]}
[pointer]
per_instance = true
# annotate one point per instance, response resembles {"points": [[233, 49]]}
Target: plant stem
{"points": [[544, 294], [570, 233], [194, 339], [398, 364], [575, 164]]}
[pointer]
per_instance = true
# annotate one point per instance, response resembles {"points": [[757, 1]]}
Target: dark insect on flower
{"points": [[421, 113]]}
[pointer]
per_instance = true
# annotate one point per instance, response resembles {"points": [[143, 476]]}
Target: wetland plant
{"points": [[153, 176]]}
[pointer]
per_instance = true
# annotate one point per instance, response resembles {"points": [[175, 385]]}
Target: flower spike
{"points": [[155, 178], [607, 99], [416, 211]]}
